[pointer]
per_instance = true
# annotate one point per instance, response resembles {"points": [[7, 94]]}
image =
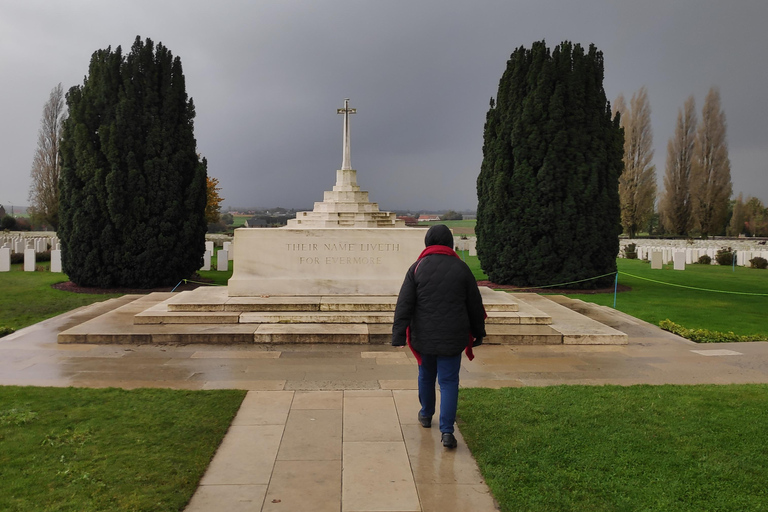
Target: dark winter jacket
{"points": [[439, 301]]}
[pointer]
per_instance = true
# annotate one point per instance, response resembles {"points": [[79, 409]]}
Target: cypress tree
{"points": [[133, 188], [548, 200]]}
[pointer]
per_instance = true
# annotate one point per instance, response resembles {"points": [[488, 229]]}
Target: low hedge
{"points": [[705, 335]]}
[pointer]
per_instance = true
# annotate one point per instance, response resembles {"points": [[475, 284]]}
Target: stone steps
{"points": [[212, 306], [208, 315], [216, 299]]}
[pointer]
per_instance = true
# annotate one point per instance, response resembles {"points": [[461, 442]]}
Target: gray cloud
{"points": [[266, 80]]}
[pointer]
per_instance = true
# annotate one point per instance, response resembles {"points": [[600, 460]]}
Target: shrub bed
{"points": [[705, 335]]}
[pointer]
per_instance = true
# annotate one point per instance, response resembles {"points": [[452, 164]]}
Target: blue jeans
{"points": [[446, 370]]}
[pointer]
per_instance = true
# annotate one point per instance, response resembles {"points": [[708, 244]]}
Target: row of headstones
{"points": [[32, 246], [18, 244], [692, 255], [30, 257], [689, 256], [223, 256], [466, 244], [741, 244]]}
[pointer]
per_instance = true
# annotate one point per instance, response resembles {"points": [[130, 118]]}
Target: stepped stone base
{"points": [[210, 315]]}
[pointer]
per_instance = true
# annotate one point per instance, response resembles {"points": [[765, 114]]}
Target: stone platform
{"points": [[210, 315]]}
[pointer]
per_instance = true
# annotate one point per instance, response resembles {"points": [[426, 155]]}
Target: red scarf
{"points": [[438, 249]]}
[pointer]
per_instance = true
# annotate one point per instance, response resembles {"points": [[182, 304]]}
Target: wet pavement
{"points": [[339, 421]]}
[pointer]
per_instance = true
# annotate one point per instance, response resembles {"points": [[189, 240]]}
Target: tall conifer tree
{"points": [[548, 200], [133, 189]]}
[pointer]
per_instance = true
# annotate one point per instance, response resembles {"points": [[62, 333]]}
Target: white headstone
{"points": [[656, 260], [29, 260], [228, 247], [206, 260], [222, 260], [209, 246], [55, 260], [679, 259], [5, 259]]}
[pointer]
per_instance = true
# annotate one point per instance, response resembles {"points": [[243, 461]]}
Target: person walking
{"points": [[439, 314]]}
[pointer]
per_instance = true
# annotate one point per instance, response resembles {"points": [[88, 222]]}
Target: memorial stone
{"points": [[679, 259], [209, 246], [656, 260], [5, 259], [222, 260], [29, 260], [228, 247], [345, 245], [55, 260], [206, 260]]}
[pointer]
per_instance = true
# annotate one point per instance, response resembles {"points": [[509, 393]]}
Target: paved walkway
{"points": [[334, 426]]}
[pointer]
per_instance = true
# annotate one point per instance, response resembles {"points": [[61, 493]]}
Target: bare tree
{"points": [[44, 189], [637, 184], [711, 186], [675, 205]]}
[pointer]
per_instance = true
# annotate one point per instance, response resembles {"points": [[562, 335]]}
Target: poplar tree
{"points": [[548, 201], [738, 218], [46, 166], [711, 177], [637, 184], [133, 189], [675, 206]]}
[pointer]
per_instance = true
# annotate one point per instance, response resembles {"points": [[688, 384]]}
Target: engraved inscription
{"points": [[367, 253]]}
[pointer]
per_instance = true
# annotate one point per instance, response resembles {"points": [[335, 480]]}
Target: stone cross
{"points": [[346, 163]]}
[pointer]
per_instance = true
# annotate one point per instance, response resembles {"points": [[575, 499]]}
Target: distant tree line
{"points": [[696, 196]]}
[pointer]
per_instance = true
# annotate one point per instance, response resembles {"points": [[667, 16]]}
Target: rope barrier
{"points": [[194, 282], [693, 287], [562, 284], [616, 286]]}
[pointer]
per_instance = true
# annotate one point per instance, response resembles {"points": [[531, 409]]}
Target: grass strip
{"points": [[72, 449], [28, 298], [721, 312], [705, 335], [652, 448]]}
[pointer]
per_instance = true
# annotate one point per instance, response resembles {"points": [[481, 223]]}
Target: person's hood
{"points": [[439, 234]]}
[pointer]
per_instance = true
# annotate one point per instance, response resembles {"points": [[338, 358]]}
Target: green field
{"points": [[70, 449], [240, 220], [694, 306], [612, 448], [27, 297]]}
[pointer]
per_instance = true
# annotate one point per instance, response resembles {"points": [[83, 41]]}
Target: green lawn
{"points": [[452, 223], [27, 297], [610, 448], [216, 277], [69, 449], [693, 308], [240, 220]]}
